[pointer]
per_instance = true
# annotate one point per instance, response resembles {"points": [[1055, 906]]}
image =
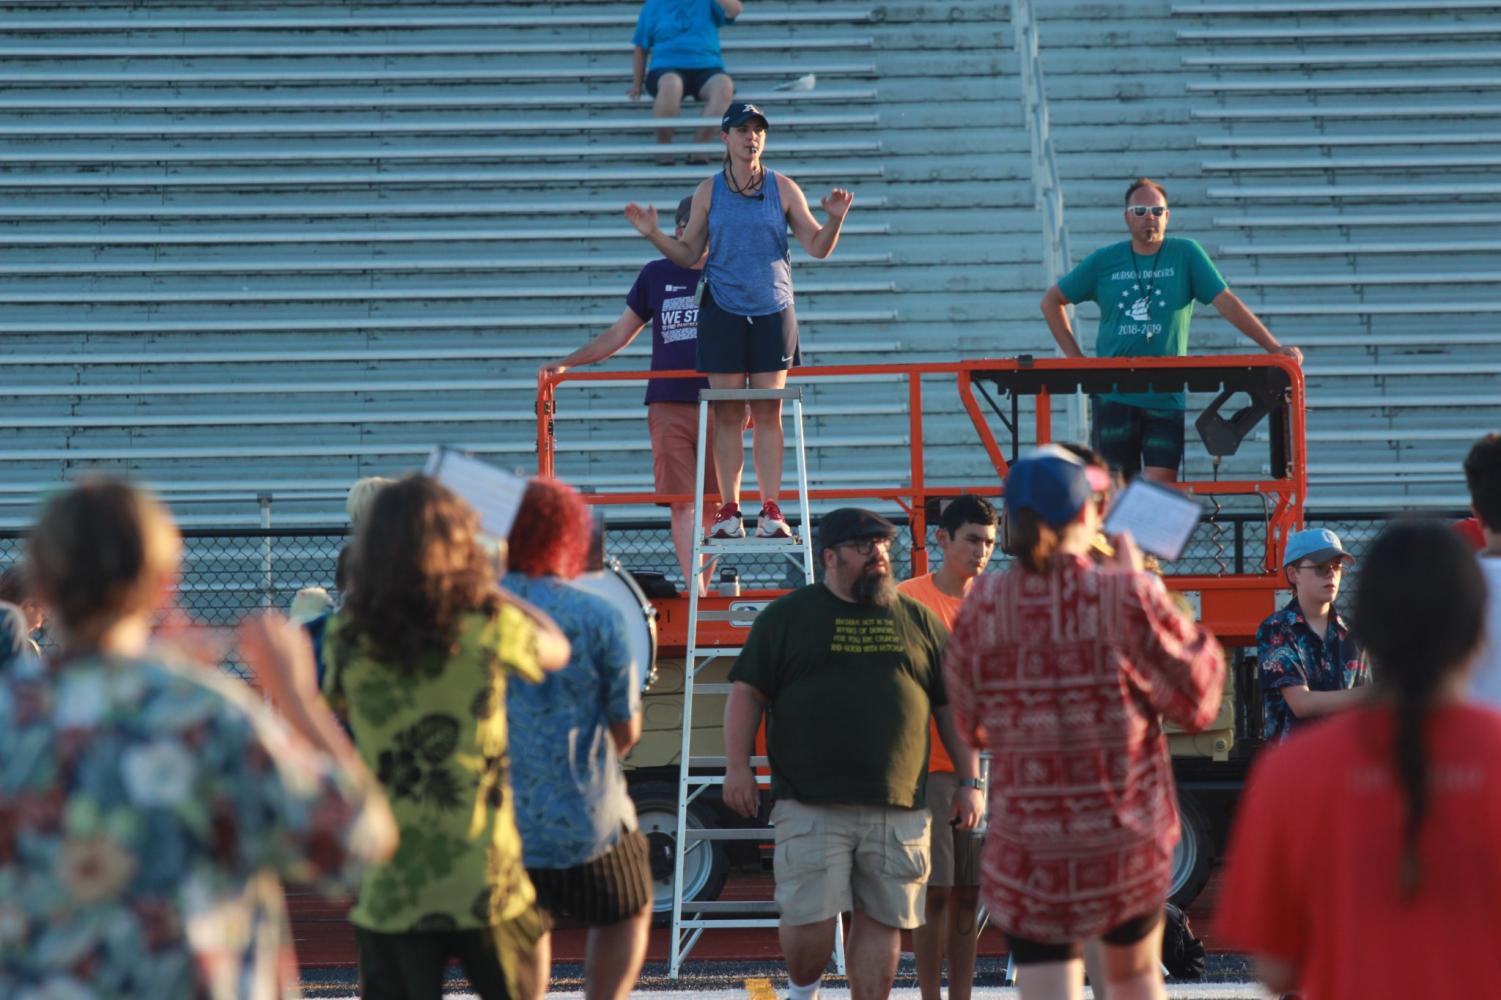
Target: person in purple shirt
{"points": [[663, 294]]}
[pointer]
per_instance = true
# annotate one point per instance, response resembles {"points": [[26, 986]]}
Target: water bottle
{"points": [[729, 583]]}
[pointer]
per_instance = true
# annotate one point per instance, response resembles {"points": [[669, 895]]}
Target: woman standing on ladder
{"points": [[747, 326]]}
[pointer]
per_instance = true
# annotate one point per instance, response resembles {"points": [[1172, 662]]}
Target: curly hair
{"points": [[417, 566], [101, 552], [551, 534]]}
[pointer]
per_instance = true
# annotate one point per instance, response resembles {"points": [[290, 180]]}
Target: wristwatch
{"points": [[975, 783]]}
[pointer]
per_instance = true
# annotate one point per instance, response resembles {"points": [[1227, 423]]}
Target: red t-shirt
{"points": [[1314, 861], [924, 591], [1469, 529]]}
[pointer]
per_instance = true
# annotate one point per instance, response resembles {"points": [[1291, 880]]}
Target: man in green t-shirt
{"points": [[1146, 287], [847, 672]]}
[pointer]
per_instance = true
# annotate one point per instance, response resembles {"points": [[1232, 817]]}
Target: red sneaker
{"points": [[728, 523], [771, 523]]}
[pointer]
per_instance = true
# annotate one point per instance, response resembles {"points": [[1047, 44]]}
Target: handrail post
{"points": [[546, 411], [918, 515], [1047, 184]]}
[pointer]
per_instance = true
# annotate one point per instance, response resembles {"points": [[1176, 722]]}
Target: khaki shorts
{"points": [[956, 853], [674, 444], [834, 858]]}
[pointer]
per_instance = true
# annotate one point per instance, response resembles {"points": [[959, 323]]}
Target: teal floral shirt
{"points": [[147, 817]]}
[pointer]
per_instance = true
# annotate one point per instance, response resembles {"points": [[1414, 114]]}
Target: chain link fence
{"points": [[229, 573]]}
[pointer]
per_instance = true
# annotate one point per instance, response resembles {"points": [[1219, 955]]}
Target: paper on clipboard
{"points": [[494, 493], [1159, 519]]}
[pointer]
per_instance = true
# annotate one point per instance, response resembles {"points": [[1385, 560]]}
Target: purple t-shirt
{"points": [[664, 291]]}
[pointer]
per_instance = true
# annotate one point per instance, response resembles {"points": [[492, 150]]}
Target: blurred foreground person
{"points": [[419, 656], [1063, 669], [1483, 476], [17, 587], [584, 851], [150, 806], [1363, 862], [16, 645]]}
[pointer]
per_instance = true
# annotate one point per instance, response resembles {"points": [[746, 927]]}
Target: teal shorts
{"points": [[1130, 437]]}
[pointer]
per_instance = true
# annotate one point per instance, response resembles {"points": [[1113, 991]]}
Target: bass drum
{"points": [[622, 592]]}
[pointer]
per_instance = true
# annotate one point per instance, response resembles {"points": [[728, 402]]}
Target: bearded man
{"points": [[848, 672]]}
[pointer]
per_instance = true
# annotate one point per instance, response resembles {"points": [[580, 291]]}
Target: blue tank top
{"points": [[750, 265]]}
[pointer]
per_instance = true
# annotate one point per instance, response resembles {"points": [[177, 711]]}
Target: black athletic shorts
{"points": [[1129, 436], [410, 966], [740, 345], [613, 887], [1025, 952], [693, 79]]}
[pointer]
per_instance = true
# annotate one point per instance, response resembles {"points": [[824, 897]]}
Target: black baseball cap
{"points": [[739, 113], [849, 524]]}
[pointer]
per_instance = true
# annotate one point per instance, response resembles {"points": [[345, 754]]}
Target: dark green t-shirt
{"points": [[1146, 303], [849, 691]]}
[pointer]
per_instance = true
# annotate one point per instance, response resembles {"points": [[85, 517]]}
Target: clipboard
{"points": [[1161, 520], [494, 493]]}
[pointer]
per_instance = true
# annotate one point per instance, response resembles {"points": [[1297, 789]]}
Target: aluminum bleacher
{"points": [[258, 252], [1396, 296], [1336, 159]]}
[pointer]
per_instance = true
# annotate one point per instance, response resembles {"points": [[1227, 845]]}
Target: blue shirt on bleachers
{"points": [[681, 34]]}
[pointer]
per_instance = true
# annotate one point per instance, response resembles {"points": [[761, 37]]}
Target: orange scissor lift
{"points": [[1231, 601]]}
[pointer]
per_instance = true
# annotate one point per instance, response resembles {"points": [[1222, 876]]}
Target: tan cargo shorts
{"points": [[956, 853], [832, 858]]}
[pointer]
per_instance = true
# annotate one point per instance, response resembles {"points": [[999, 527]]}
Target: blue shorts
{"points": [[1130, 437], [729, 344], [693, 79]]}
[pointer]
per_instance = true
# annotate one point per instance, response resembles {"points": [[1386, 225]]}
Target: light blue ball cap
{"points": [[1316, 545]]}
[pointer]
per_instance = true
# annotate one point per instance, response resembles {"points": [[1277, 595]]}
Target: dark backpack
{"points": [[1182, 953]]}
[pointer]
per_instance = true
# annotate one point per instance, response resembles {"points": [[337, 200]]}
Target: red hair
{"points": [[551, 534]]}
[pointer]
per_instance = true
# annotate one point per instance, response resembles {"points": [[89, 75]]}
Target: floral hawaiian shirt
{"points": [[1291, 654], [571, 798], [434, 735], [147, 815]]}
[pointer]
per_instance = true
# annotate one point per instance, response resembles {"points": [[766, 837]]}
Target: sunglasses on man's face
{"points": [[1141, 210]]}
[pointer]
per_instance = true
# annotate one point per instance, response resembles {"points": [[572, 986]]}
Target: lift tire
{"points": [[1194, 856], [706, 865]]}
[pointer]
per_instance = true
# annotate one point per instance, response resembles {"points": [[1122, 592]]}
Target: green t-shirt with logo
{"points": [[1146, 303], [849, 691]]}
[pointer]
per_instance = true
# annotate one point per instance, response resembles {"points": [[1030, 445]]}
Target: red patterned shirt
{"points": [[1065, 677]]}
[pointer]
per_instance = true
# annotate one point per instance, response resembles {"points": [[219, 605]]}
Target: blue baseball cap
{"points": [[1317, 545], [1051, 487], [741, 111]]}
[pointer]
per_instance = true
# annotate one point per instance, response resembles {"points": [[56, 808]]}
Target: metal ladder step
{"points": [[732, 906], [758, 833], [729, 924], [749, 544], [719, 763]]}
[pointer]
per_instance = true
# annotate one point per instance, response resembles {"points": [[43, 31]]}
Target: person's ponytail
{"points": [[1419, 612]]}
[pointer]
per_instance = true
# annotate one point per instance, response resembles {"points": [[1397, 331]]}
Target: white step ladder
{"points": [[695, 774]]}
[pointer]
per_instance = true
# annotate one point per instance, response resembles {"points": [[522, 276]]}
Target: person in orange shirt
{"points": [[966, 537]]}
